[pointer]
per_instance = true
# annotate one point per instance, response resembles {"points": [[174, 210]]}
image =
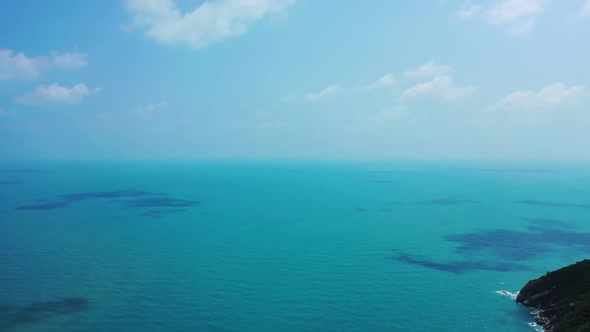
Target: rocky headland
{"points": [[561, 298]]}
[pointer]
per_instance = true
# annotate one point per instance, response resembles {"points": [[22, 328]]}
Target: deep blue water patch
{"points": [[12, 317], [507, 249], [19, 170], [552, 204], [10, 182]]}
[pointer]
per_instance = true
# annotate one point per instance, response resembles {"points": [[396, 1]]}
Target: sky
{"points": [[295, 79]]}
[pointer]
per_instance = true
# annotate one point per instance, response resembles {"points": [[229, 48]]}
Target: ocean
{"points": [[282, 245]]}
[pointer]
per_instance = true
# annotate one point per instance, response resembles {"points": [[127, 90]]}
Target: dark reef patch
{"points": [[537, 223], [157, 214], [45, 206], [122, 198], [505, 250], [14, 317], [521, 245], [160, 202], [552, 204], [106, 194], [504, 244], [459, 266]]}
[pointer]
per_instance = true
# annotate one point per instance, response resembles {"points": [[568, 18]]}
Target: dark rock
{"points": [[561, 297]]}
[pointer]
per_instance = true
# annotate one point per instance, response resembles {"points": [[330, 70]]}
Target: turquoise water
{"points": [[282, 246]]}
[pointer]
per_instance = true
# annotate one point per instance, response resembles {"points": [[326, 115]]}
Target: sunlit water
{"points": [[282, 246]]}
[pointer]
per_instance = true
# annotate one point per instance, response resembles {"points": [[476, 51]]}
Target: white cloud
{"points": [[56, 93], [468, 11], [17, 66], [514, 10], [516, 17], [385, 80], [211, 22], [429, 69], [313, 97], [441, 87], [585, 9], [556, 95]]}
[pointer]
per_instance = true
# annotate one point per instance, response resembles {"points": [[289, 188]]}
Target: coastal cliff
{"points": [[561, 297]]}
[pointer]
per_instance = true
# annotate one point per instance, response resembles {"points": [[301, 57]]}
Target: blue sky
{"points": [[295, 79]]}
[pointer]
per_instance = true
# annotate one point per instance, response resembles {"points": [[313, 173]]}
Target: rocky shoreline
{"points": [[561, 298]]}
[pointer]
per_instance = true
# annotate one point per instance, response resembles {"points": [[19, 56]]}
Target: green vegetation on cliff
{"points": [[562, 298]]}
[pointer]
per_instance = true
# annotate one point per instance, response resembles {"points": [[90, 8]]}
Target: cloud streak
{"points": [[468, 11], [514, 10], [429, 69], [207, 24], [441, 87], [383, 81], [57, 94], [585, 9], [18, 66], [326, 92], [516, 17], [556, 95], [153, 106]]}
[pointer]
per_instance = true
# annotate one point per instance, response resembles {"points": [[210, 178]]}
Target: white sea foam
{"points": [[507, 293], [534, 325]]}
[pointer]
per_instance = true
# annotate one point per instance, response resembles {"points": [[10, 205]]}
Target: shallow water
{"points": [[290, 246]]}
